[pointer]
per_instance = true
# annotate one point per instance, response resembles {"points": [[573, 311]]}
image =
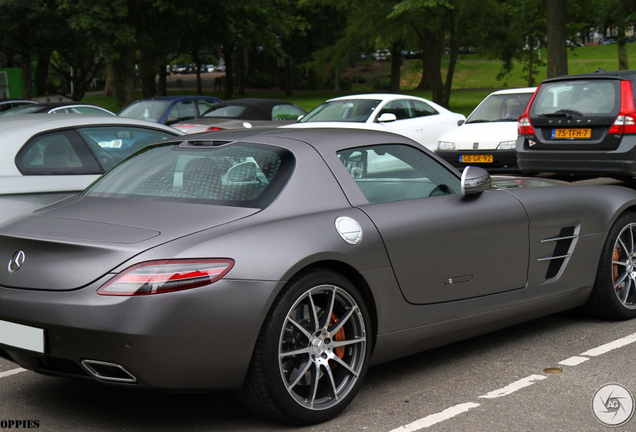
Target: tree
{"points": [[556, 32], [615, 17]]}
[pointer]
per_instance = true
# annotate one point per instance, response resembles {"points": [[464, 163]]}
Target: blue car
{"points": [[169, 109]]}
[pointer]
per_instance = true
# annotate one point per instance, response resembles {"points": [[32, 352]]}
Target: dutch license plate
{"points": [[21, 336], [476, 158], [571, 133]]}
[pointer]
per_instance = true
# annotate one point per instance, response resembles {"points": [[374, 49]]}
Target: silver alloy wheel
{"points": [[624, 266], [322, 347]]}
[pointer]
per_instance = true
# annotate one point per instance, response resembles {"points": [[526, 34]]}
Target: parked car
{"points": [[608, 40], [217, 263], [46, 158], [244, 113], [489, 136], [7, 104], [581, 125], [382, 55], [58, 108], [419, 119], [169, 109]]}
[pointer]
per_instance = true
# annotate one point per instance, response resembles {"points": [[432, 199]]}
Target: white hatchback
{"points": [[489, 135], [419, 119]]}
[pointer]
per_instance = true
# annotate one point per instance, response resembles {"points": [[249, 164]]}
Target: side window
{"points": [[422, 109], [112, 144], [57, 153], [204, 106], [181, 111], [386, 173], [286, 112], [400, 108]]}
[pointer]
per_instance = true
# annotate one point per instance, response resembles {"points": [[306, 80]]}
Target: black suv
{"points": [[581, 125]]}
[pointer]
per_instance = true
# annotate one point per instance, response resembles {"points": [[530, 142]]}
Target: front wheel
{"points": [[614, 293], [312, 352]]}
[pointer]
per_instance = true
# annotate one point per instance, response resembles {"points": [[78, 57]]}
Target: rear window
{"points": [[243, 175], [593, 97]]}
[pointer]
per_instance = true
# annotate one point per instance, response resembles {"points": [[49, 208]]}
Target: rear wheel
{"points": [[312, 352], [614, 294]]}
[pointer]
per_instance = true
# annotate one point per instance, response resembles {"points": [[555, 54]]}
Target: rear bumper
{"points": [[504, 161], [619, 162], [198, 339]]}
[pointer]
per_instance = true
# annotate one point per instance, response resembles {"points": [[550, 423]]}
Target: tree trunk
{"points": [[42, 72], [228, 57], [557, 49], [396, 63]]}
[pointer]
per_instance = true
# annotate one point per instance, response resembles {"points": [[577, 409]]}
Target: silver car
{"points": [[283, 263], [49, 157]]}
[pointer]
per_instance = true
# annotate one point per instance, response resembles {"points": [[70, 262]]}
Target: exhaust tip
{"points": [[106, 371]]}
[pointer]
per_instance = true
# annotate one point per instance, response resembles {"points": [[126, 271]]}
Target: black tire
{"points": [[312, 353], [614, 293]]}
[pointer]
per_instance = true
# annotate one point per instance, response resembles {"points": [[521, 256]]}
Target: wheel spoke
{"points": [[314, 312], [334, 389], [621, 280], [345, 365], [342, 321], [329, 309], [302, 329], [299, 375], [314, 384], [300, 351]]}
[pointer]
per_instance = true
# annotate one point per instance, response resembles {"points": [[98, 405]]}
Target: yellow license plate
{"points": [[571, 133], [476, 158]]}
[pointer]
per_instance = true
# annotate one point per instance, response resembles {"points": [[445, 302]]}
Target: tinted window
{"points": [[578, 96], [146, 110], [235, 175], [61, 152], [204, 105], [349, 110], [502, 107], [183, 110], [286, 112], [225, 111], [396, 172], [112, 144]]}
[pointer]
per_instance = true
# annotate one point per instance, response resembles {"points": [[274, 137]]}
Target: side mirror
{"points": [[387, 117], [475, 180], [460, 122]]}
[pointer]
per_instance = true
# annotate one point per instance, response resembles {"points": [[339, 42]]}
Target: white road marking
{"points": [[573, 361], [511, 388], [437, 418], [456, 410], [618, 343], [11, 372]]}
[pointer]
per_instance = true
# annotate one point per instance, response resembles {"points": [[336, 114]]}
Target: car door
{"points": [[443, 246]]}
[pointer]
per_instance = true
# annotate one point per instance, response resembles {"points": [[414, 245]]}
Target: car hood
{"points": [[74, 242], [486, 135]]}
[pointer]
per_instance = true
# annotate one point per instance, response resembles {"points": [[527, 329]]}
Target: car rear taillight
{"points": [[625, 123], [156, 277], [524, 127], [213, 129]]}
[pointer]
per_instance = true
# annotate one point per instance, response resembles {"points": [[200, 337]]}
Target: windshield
{"points": [[577, 97], [243, 175], [501, 107], [146, 110], [28, 109], [349, 110]]}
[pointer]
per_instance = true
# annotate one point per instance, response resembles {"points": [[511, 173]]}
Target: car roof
{"points": [[515, 90], [621, 74], [254, 102], [35, 123], [176, 98], [373, 96]]}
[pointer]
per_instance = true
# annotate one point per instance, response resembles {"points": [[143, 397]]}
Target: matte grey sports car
{"points": [[282, 263]]}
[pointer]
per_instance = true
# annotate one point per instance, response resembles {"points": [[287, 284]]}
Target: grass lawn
{"points": [[474, 78]]}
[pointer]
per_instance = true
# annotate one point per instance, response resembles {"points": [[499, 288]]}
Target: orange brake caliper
{"points": [[340, 336], [614, 266]]}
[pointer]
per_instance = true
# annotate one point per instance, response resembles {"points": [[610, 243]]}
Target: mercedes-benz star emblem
{"points": [[16, 261]]}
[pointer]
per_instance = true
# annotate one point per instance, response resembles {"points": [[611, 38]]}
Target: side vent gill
{"points": [[561, 251]]}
